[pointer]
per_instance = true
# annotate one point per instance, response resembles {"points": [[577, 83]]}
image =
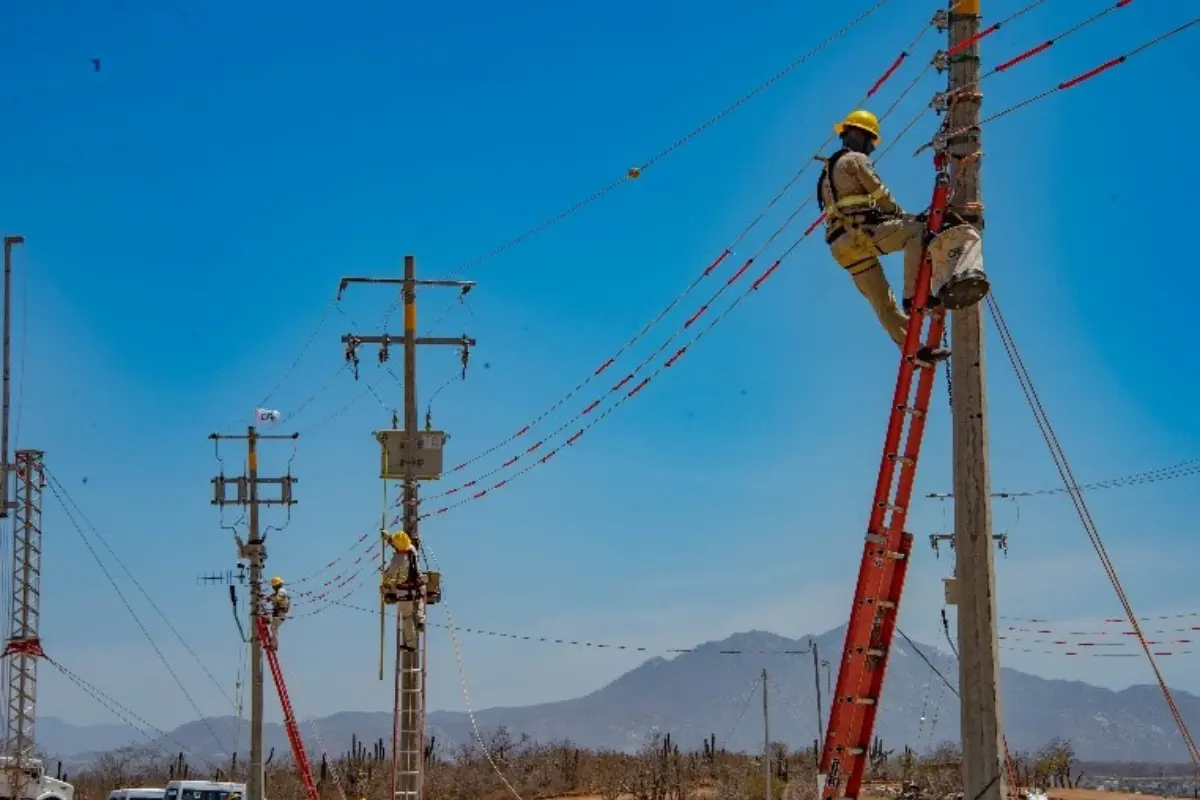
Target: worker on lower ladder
{"points": [[404, 563], [281, 606], [863, 221]]}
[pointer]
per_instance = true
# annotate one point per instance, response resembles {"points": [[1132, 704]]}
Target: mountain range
{"points": [[709, 691]]}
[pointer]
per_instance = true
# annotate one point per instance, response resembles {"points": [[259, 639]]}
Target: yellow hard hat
{"points": [[276, 582], [400, 540], [861, 119]]}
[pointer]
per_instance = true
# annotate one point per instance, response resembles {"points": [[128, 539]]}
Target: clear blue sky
{"points": [[190, 208]]}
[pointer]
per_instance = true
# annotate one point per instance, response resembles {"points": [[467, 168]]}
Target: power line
{"points": [[753, 223], [584, 643], [57, 484], [941, 100], [1073, 82], [701, 310], [1180, 469], [308, 343], [54, 489], [636, 172], [1077, 498], [118, 709], [670, 361], [1025, 55], [928, 663]]}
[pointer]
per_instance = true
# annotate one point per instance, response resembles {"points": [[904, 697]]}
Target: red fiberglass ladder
{"points": [[289, 719], [888, 546]]}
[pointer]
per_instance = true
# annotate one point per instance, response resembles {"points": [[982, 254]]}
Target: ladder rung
{"points": [[891, 507], [865, 701], [885, 603], [895, 556], [903, 460], [916, 412], [875, 652], [856, 751]]}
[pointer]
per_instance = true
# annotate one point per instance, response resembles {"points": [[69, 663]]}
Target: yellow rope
{"points": [[382, 566]]}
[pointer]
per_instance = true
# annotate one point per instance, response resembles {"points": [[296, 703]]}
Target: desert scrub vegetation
{"points": [[660, 770]]}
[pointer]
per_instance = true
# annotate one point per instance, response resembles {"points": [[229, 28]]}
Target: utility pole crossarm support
{"points": [[386, 339], [465, 286], [258, 436]]}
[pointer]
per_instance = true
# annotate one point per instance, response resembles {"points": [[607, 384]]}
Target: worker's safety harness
{"points": [[281, 604], [848, 213]]}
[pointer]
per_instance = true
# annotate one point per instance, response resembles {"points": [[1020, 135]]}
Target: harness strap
{"points": [[861, 199], [826, 179]]}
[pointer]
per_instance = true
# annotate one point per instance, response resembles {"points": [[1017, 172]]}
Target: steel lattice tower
{"points": [[24, 648]]}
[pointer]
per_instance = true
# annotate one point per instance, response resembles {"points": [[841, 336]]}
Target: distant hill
{"points": [[705, 692]]}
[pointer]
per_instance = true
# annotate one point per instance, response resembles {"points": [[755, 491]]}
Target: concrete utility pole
{"points": [[253, 551], [766, 740], [817, 683], [409, 455], [984, 776]]}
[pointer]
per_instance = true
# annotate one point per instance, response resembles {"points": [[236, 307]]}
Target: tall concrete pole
{"points": [[411, 699], [419, 458], [975, 566], [766, 740], [256, 552]]}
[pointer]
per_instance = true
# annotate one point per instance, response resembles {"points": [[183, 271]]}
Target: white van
{"points": [[142, 793], [203, 790]]}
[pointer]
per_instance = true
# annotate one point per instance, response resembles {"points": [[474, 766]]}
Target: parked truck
{"points": [[37, 785]]}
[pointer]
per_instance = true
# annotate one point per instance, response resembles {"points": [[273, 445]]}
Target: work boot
{"points": [[933, 355], [964, 290]]}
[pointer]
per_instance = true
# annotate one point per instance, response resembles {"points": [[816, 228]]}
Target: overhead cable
{"points": [[536, 446], [1081, 507], [55, 489], [636, 172]]}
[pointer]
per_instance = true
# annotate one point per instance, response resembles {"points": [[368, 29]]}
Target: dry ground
{"points": [[1054, 794]]}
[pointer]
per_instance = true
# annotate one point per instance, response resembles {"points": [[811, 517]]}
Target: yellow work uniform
{"points": [[281, 606], [400, 568], [863, 221]]}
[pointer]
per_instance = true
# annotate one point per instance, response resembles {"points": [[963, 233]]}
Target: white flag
{"points": [[267, 416]]}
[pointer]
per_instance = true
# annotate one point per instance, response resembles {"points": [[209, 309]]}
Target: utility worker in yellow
{"points": [[403, 566], [863, 221], [404, 570], [281, 606]]}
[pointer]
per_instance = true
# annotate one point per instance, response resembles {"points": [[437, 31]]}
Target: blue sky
{"points": [[190, 208]]}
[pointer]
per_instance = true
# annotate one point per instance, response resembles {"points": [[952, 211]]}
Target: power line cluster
{"points": [[540, 456], [628, 386], [74, 515], [536, 455]]}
